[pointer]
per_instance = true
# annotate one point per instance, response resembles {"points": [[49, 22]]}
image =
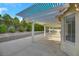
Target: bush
{"points": [[28, 29], [39, 27], [12, 29], [21, 29], [3, 28]]}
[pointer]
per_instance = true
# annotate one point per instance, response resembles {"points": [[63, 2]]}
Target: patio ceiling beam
{"points": [[50, 17], [44, 15]]}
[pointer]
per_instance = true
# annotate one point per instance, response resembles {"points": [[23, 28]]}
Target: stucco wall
{"points": [[77, 34]]}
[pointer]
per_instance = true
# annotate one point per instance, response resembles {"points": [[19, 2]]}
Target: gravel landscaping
{"points": [[12, 36]]}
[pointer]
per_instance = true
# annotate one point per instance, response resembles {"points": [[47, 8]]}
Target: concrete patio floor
{"points": [[40, 46]]}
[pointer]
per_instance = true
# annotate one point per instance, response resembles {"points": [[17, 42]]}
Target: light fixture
{"points": [[77, 6]]}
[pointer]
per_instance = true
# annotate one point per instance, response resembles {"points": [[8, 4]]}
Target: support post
{"points": [[49, 30], [33, 30], [44, 30]]}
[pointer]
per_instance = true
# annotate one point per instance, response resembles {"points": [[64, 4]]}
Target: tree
{"points": [[0, 19], [0, 16], [24, 24], [16, 22], [7, 19]]}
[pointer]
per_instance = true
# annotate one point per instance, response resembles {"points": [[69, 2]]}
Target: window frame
{"points": [[66, 33]]}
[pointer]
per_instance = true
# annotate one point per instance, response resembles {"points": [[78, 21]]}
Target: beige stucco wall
{"points": [[77, 34]]}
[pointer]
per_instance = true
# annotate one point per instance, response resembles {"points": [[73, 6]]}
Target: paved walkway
{"points": [[40, 46]]}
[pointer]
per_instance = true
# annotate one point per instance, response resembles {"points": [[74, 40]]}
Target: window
{"points": [[70, 27]]}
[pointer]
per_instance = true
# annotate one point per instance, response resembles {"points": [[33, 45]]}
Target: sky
{"points": [[13, 8]]}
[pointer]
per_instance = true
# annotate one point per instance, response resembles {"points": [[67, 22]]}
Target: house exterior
{"points": [[70, 30]]}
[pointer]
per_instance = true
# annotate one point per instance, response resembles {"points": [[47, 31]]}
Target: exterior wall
{"points": [[67, 46], [77, 35]]}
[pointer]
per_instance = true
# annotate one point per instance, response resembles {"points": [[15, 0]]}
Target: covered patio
{"points": [[47, 15], [44, 13], [46, 44]]}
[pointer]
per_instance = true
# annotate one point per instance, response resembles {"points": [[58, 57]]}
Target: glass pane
{"points": [[73, 31], [70, 23]]}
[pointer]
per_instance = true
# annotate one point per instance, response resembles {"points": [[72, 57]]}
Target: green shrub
{"points": [[28, 29], [21, 29], [12, 29], [3, 28], [39, 27]]}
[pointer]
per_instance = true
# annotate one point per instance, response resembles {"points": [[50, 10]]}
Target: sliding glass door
{"points": [[70, 28]]}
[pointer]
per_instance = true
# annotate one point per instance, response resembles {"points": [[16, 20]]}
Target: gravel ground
{"points": [[14, 36]]}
